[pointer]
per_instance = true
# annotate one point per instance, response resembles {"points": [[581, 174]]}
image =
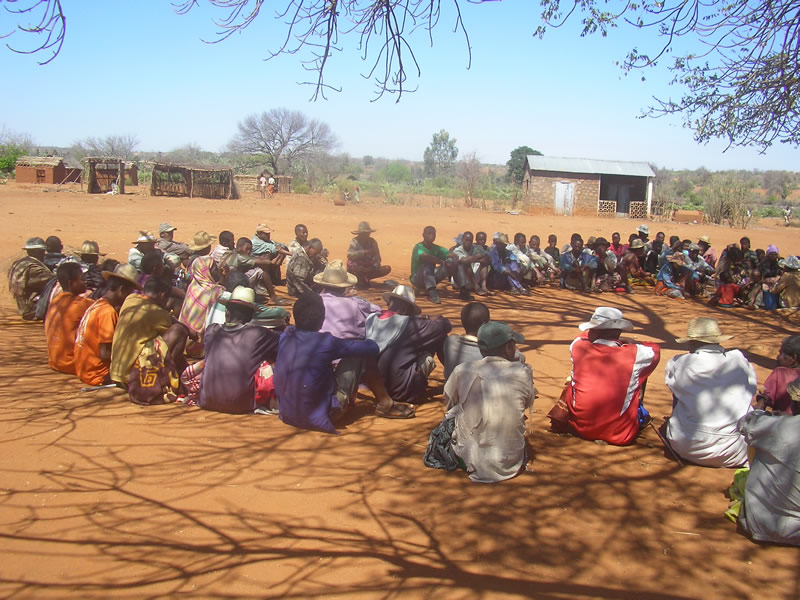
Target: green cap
{"points": [[496, 333]]}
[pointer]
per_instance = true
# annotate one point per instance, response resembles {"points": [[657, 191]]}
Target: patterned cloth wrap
{"points": [[153, 379]]}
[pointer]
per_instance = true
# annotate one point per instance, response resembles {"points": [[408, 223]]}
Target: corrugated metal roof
{"points": [[589, 165]]}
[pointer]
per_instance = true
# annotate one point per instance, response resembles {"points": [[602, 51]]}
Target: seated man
{"points": [[96, 330], [234, 353], [346, 318], [144, 243], [63, 317], [92, 274], [302, 267], [459, 349], [542, 259], [273, 316], [54, 254], [632, 262], [772, 492], [708, 253], [167, 244], [257, 269], [578, 266], [476, 261], [304, 379], [699, 271], [200, 246], [265, 247], [488, 399], [505, 273], [226, 244], [431, 264], [407, 342], [788, 286], [609, 275], [711, 390], [142, 318], [604, 398], [28, 277], [364, 257]]}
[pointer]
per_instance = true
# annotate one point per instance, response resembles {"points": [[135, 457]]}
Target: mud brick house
{"points": [[582, 186], [45, 169]]}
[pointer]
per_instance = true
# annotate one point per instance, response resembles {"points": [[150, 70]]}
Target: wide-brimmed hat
{"points": [[241, 296], [35, 243], [263, 228], [91, 247], [637, 243], [591, 241], [501, 237], [335, 275], [165, 227], [703, 329], [363, 227], [643, 228], [606, 317], [678, 258], [772, 248], [406, 294], [144, 237], [201, 241], [125, 272], [705, 239], [495, 334], [793, 390], [790, 262]]}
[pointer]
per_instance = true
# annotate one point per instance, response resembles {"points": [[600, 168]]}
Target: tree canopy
{"points": [[516, 164], [737, 62], [282, 136], [440, 155]]}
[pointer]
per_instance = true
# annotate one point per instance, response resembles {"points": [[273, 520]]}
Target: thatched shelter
{"points": [[103, 172], [45, 169], [249, 183], [183, 180]]}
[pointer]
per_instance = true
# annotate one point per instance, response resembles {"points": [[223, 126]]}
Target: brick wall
{"points": [[539, 191]]}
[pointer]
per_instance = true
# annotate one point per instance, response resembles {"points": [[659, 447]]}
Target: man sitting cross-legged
{"points": [[345, 318], [604, 397], [488, 399], [28, 277], [95, 334], [304, 264], [407, 342], [430, 264], [304, 378], [236, 353], [257, 269], [476, 260], [578, 266], [63, 317], [364, 256], [711, 390]]}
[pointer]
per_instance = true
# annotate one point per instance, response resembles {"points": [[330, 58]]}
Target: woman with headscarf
{"points": [[202, 293]]}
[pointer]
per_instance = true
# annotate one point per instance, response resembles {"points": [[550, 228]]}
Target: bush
{"points": [[302, 188], [769, 211]]}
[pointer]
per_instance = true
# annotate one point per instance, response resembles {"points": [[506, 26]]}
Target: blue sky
{"points": [[136, 67]]}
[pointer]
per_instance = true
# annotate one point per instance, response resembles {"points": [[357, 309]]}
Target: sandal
{"points": [[399, 410]]}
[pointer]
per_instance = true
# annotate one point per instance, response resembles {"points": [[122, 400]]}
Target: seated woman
{"points": [[788, 286], [775, 394], [671, 277]]}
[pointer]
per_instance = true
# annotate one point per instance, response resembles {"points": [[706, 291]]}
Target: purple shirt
{"points": [[303, 375], [346, 317]]}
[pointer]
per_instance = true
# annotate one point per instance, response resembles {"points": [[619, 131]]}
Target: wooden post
{"points": [[191, 183], [122, 177]]}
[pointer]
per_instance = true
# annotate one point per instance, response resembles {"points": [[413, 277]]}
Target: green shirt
{"points": [[420, 249]]}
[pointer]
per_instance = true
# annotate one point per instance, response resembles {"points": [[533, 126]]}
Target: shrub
{"points": [[302, 188]]}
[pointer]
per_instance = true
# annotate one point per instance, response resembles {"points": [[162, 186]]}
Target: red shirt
{"points": [[60, 326], [605, 393], [727, 293]]}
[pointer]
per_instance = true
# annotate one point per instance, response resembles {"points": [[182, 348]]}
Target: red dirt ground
{"points": [[101, 498]]}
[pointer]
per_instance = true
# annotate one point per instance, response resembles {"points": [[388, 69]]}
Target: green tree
{"points": [[12, 146], [440, 155], [516, 164], [396, 172]]}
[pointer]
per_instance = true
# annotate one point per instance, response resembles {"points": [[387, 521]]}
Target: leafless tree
{"points": [[283, 136], [116, 146], [470, 173]]}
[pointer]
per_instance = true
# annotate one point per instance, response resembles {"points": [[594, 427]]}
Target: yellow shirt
{"points": [[140, 320]]}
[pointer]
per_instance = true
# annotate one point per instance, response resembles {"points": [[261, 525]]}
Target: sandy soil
{"points": [[101, 498]]}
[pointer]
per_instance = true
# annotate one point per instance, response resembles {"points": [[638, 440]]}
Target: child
{"points": [[725, 296], [775, 394], [552, 248]]}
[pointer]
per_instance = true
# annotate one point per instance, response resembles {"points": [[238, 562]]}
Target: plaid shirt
{"points": [[299, 273]]}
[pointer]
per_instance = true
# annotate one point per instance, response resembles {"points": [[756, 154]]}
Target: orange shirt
{"points": [[96, 327], [60, 326]]}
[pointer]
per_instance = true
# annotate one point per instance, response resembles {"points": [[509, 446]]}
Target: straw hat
{"points": [[643, 228], [165, 228], [91, 247], [704, 329], [263, 228], [678, 258], [241, 296], [705, 239], [502, 238], [201, 241], [790, 262], [144, 237], [335, 275], [125, 272], [793, 389], [35, 243], [637, 243], [606, 317], [406, 294], [363, 227]]}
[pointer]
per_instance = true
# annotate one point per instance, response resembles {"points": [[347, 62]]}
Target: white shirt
{"points": [[488, 399], [712, 390]]}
